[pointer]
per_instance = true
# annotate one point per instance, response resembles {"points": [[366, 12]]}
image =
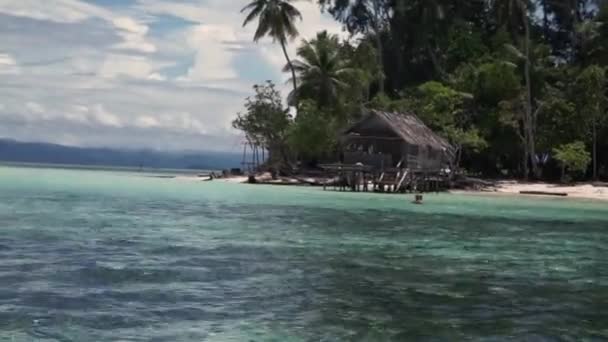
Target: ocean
{"points": [[91, 255]]}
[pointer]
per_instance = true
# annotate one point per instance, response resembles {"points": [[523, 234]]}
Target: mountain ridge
{"points": [[50, 153]]}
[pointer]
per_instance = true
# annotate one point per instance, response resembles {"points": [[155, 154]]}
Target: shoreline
{"points": [[514, 188], [590, 191]]}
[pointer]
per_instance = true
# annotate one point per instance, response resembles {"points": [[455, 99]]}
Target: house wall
{"points": [[421, 157]]}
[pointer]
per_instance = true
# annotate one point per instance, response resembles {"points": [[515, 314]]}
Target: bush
{"points": [[573, 157]]}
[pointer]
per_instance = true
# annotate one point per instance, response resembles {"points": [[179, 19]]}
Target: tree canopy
{"points": [[509, 82]]}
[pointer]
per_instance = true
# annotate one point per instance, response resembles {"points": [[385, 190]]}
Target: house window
{"points": [[414, 150]]}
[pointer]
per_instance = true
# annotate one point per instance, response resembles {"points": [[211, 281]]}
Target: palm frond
{"points": [[264, 26], [514, 51], [254, 8]]}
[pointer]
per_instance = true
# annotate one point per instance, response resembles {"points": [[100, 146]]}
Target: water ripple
{"points": [[102, 262]]}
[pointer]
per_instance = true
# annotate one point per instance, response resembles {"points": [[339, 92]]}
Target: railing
{"points": [[378, 161]]}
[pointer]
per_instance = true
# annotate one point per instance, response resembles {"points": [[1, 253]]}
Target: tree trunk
{"points": [[525, 164], [529, 120], [458, 157], [293, 74], [545, 19], [380, 53], [436, 63], [594, 150], [377, 18]]}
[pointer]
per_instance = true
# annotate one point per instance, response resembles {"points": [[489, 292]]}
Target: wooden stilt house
{"points": [[385, 140], [394, 151]]}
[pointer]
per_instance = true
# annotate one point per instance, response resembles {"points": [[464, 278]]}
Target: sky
{"points": [[156, 74]]}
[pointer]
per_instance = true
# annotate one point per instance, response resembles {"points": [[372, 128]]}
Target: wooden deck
{"points": [[349, 177]]}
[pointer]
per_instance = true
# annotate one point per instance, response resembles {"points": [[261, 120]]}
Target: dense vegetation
{"points": [[518, 86]]}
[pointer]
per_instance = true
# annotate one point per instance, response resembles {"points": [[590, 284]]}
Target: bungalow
{"points": [[395, 140]]}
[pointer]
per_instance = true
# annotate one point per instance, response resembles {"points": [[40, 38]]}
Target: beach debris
{"points": [[544, 193]]}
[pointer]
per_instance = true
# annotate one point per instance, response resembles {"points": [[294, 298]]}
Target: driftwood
{"points": [[462, 182], [544, 193]]}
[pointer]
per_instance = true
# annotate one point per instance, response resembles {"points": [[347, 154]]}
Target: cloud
{"points": [[156, 77], [212, 61], [146, 121], [218, 35], [35, 108], [105, 118], [61, 11], [116, 65], [142, 73], [8, 65], [133, 34]]}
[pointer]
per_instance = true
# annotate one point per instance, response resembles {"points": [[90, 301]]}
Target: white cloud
{"points": [[8, 65], [220, 25], [78, 114], [124, 75], [133, 34], [212, 61], [34, 111], [156, 77], [146, 121], [35, 108], [61, 11], [184, 122], [126, 65], [130, 25], [102, 116]]}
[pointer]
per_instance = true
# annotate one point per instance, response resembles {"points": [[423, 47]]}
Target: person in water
{"points": [[418, 199]]}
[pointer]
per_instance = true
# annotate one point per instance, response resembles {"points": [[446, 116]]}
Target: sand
{"points": [[581, 191], [587, 191], [233, 179], [193, 178]]}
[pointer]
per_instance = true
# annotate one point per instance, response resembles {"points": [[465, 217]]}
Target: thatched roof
{"points": [[406, 126]]}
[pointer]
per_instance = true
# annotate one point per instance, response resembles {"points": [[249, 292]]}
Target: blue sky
{"points": [[161, 74]]}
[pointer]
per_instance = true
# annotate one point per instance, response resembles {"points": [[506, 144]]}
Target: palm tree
{"points": [[321, 70], [276, 20], [514, 13], [367, 17]]}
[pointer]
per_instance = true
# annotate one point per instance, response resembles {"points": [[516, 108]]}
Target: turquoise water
{"points": [[105, 256]]}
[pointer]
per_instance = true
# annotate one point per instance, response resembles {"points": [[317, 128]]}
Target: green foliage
{"points": [[501, 79], [313, 134], [560, 121], [321, 70], [591, 99], [573, 156], [497, 81], [444, 109], [265, 121], [469, 139], [385, 103], [381, 102], [362, 60], [439, 105], [464, 44]]}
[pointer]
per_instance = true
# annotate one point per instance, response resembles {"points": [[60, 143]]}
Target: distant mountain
{"points": [[22, 152]]}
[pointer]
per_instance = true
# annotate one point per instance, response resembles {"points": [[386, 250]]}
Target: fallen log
{"points": [[544, 193]]}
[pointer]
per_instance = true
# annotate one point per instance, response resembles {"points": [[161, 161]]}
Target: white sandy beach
{"points": [[194, 178], [587, 191]]}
